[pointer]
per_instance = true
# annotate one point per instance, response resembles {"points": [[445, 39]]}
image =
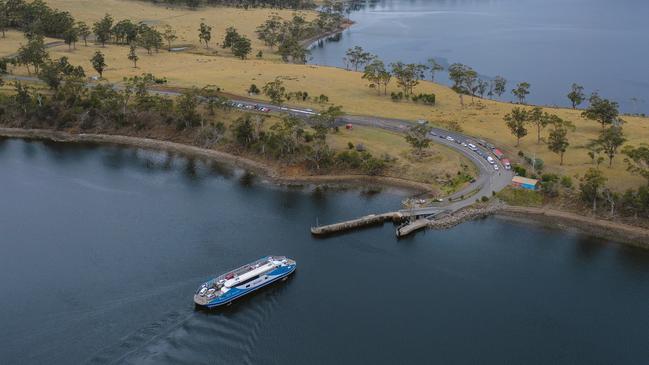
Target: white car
{"points": [[490, 160], [464, 144], [496, 167], [472, 147], [449, 138]]}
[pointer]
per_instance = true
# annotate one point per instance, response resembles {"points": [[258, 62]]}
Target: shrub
{"points": [[254, 90], [428, 99], [485, 199], [520, 171], [350, 146], [566, 182], [396, 96]]}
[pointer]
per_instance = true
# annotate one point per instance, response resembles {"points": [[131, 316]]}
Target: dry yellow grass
{"points": [[13, 40], [438, 162], [344, 88], [184, 20]]}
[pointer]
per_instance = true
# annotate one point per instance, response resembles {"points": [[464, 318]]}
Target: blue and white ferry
{"points": [[246, 279]]}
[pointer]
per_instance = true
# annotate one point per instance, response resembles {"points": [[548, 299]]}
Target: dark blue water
{"points": [[600, 44], [101, 249]]}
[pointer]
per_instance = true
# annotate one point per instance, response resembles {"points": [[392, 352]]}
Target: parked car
{"points": [[496, 167], [449, 138], [472, 147], [491, 160], [464, 144]]}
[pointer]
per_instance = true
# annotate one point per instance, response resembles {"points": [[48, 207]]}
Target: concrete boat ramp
{"points": [[410, 220]]}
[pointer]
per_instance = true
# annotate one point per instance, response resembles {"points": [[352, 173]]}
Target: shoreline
{"points": [[618, 232], [596, 227], [237, 161], [309, 42]]}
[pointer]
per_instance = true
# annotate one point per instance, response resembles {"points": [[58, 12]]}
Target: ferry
{"points": [[246, 279]]}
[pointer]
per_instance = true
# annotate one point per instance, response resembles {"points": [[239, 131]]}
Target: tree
{"points": [[243, 131], [433, 66], [482, 86], [4, 18], [84, 32], [241, 47], [132, 55], [610, 140], [328, 117], [205, 34], [591, 185], [54, 72], [408, 75], [269, 32], [516, 121], [187, 105], [169, 34], [558, 141], [33, 53], [637, 160], [538, 119], [71, 36], [357, 57], [378, 75], [499, 85], [103, 29], [98, 63], [149, 38], [275, 91], [231, 36], [126, 32], [576, 95], [417, 137], [464, 78], [521, 91], [601, 110]]}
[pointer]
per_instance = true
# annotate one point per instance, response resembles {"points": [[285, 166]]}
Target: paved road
{"points": [[488, 181]]}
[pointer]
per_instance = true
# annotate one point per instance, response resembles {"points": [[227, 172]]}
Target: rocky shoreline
{"points": [[614, 231]]}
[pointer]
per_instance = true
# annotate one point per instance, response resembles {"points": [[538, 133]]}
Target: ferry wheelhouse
{"points": [[246, 279]]}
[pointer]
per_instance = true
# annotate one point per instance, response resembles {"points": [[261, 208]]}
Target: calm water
{"points": [[601, 44], [102, 248]]}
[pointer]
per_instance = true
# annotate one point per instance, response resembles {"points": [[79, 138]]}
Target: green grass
{"points": [[521, 197]]}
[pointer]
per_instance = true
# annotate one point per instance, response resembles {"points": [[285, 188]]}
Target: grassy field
{"points": [[184, 20], [432, 168], [482, 118]]}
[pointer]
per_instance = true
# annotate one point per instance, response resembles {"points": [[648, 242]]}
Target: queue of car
{"points": [[471, 146], [250, 106]]}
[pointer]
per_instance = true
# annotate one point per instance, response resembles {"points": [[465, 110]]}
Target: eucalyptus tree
{"points": [[516, 122], [601, 110], [434, 67], [521, 91], [576, 95]]}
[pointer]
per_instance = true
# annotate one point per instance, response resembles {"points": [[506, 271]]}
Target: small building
{"points": [[525, 183], [349, 126], [498, 153]]}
